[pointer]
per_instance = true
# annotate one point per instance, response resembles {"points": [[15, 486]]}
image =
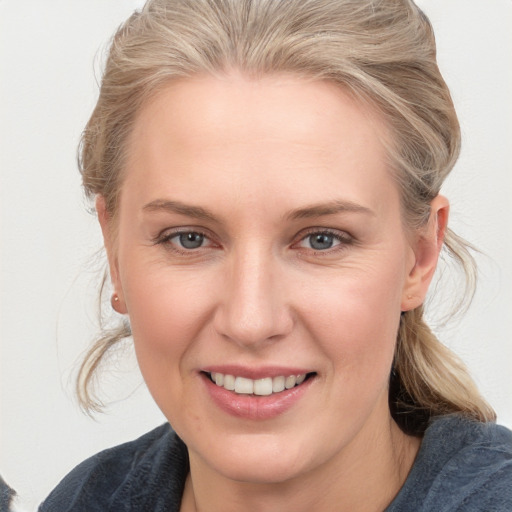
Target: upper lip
{"points": [[255, 373]]}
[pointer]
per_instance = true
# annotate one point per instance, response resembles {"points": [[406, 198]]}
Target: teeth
{"points": [[229, 382], [301, 378], [244, 386], [261, 387], [290, 382], [278, 384]]}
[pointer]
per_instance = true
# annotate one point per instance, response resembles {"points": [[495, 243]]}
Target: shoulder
{"points": [[125, 477], [462, 465], [6, 495]]}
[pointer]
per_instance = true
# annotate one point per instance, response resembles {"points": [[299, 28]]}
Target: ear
{"points": [[426, 249], [107, 229]]}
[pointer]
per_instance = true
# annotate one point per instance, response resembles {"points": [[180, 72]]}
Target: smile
{"points": [[260, 387]]}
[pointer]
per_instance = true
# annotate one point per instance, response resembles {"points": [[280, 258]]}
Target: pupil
{"points": [[321, 241], [191, 240]]}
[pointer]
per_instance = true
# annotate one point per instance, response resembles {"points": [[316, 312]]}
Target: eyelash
{"points": [[164, 238], [344, 239]]}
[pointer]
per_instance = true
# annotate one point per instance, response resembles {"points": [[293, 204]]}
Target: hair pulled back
{"points": [[381, 51]]}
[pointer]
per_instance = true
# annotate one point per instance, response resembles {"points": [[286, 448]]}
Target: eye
{"points": [[190, 239], [324, 240], [184, 241], [320, 241]]}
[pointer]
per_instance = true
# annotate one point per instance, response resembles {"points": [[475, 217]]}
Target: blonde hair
{"points": [[383, 52]]}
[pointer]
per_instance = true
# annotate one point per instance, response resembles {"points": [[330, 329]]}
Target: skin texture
{"points": [[253, 157]]}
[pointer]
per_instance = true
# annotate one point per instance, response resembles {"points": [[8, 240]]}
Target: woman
{"points": [[267, 177]]}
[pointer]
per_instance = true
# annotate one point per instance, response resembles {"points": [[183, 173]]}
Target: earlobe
{"points": [[426, 254], [105, 220]]}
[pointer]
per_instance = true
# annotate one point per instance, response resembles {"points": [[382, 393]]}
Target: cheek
{"points": [[356, 320], [168, 314], [167, 311]]}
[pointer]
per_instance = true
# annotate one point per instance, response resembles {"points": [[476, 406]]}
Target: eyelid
{"points": [[168, 234], [164, 236], [343, 237], [339, 234]]}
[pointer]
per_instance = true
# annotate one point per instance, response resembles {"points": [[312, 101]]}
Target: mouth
{"points": [[258, 387]]}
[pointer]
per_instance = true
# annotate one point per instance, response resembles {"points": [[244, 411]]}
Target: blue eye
{"points": [[185, 242], [322, 241], [190, 239]]}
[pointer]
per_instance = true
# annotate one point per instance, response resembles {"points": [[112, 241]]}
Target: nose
{"points": [[253, 307]]}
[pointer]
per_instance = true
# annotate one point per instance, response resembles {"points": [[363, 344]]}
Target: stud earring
{"points": [[115, 302]]}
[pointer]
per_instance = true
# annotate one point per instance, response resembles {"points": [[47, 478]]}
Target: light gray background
{"points": [[48, 240]]}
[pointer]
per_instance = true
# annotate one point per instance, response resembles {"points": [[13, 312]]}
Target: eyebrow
{"points": [[180, 208], [307, 212], [329, 208]]}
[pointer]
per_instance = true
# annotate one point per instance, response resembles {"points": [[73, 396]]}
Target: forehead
{"points": [[302, 136], [236, 106]]}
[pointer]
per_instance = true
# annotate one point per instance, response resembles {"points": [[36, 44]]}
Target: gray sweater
{"points": [[461, 466]]}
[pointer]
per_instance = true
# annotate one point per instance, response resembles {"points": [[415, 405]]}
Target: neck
{"points": [[366, 477]]}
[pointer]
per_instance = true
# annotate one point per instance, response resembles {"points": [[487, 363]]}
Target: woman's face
{"points": [[259, 238]]}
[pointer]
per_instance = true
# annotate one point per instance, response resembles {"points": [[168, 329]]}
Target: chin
{"points": [[260, 459], [261, 472]]}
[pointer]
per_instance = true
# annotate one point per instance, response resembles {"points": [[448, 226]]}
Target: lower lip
{"points": [[255, 407]]}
